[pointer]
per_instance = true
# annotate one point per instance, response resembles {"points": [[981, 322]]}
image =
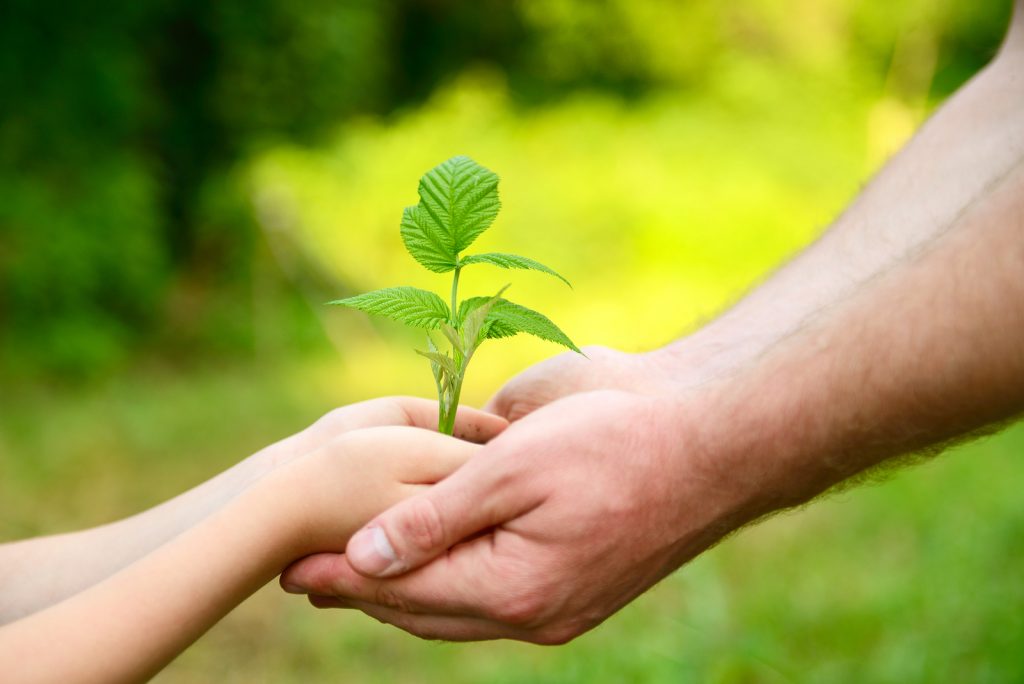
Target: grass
{"points": [[915, 579]]}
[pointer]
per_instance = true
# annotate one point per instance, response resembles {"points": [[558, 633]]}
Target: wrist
{"points": [[765, 439], [692, 361], [278, 506], [321, 499], [744, 450]]}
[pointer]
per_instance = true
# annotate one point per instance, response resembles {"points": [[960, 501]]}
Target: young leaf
{"points": [[453, 337], [468, 306], [435, 367], [458, 201], [444, 361], [510, 261], [427, 245], [410, 305], [474, 325], [507, 318]]}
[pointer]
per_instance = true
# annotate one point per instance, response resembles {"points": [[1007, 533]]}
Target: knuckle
{"points": [[523, 609], [325, 602], [329, 585], [317, 602], [426, 633], [389, 598], [334, 420], [404, 406], [506, 402], [516, 409], [420, 528], [499, 402], [410, 625], [557, 634]]}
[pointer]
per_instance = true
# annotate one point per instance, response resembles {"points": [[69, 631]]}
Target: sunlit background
{"points": [[183, 184]]}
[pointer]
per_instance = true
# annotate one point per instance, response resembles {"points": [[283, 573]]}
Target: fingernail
{"points": [[371, 552], [293, 588]]}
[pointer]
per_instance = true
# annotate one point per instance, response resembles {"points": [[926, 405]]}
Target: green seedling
{"points": [[458, 202]]}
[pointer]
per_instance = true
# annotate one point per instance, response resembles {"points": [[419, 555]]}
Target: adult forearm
{"points": [[930, 350], [956, 157]]}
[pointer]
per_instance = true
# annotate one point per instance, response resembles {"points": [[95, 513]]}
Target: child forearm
{"points": [[127, 627], [36, 573]]}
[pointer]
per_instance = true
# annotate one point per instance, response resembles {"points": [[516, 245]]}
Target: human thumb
{"points": [[417, 530]]}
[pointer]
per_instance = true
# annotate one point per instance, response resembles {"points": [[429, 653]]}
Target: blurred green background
{"points": [[182, 184]]}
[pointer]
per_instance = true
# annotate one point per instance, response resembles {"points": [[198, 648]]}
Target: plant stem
{"points": [[447, 406], [455, 293], [446, 418]]}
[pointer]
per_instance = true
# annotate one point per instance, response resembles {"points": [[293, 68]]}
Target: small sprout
{"points": [[458, 202]]}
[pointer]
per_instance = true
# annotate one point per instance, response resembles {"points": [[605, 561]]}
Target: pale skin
{"points": [[901, 328], [156, 582]]}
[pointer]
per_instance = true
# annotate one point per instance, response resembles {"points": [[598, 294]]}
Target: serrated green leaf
{"points": [[507, 318], [410, 305], [510, 261], [458, 202], [428, 246]]}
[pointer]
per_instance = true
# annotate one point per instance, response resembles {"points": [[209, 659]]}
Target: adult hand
{"points": [[576, 509], [471, 424], [570, 373]]}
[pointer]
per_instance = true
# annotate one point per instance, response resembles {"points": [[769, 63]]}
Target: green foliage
{"points": [[410, 305], [508, 318], [510, 261], [458, 202]]}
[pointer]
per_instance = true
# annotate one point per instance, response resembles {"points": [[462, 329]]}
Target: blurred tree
{"points": [[119, 128]]}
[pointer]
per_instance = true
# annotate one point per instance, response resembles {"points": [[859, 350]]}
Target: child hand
{"points": [[470, 424], [340, 486]]}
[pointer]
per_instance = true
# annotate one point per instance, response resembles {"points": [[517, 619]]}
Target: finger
{"points": [[318, 601], [497, 403], [475, 425], [518, 399], [423, 457], [471, 424], [416, 592], [460, 584], [435, 627], [480, 495], [436, 456]]}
